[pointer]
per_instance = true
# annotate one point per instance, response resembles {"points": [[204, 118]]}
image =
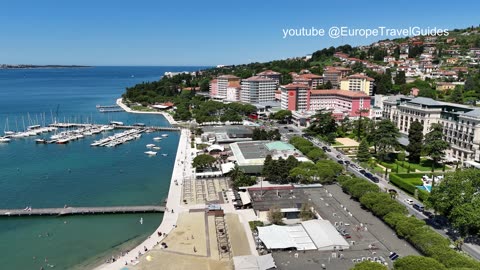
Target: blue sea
{"points": [[76, 174]]}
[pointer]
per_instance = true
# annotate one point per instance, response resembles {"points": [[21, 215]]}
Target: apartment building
{"points": [[461, 123], [294, 97], [312, 80], [223, 82], [334, 75], [276, 76], [258, 89], [358, 83], [345, 102], [300, 98], [213, 89]]}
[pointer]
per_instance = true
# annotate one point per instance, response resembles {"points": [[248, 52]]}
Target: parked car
{"points": [[328, 150], [324, 148], [428, 214], [340, 161], [347, 162], [368, 175], [362, 171], [339, 156], [375, 179], [409, 201], [418, 207]]}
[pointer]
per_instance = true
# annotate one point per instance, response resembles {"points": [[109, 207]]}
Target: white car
{"points": [[409, 201]]}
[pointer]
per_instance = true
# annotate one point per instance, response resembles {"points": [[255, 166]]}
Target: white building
{"points": [[223, 82], [461, 123], [258, 89]]}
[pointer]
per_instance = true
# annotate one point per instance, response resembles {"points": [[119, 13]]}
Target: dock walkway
{"points": [[82, 211]]}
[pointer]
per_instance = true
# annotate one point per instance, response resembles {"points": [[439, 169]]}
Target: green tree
{"points": [[457, 95], [282, 115], [203, 160], [457, 198], [363, 154], [274, 216], [368, 265], [306, 213], [328, 85], [316, 154], [435, 146], [417, 263], [400, 79], [386, 135], [415, 142], [323, 124]]}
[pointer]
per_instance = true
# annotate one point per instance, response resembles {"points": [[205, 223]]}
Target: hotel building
{"points": [[258, 89], [461, 124]]}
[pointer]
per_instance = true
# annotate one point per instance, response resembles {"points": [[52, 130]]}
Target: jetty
{"points": [[69, 211], [78, 125]]}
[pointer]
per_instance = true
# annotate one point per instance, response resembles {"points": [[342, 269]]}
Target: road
{"points": [[472, 249]]}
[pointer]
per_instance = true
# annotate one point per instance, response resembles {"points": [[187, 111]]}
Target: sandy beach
{"points": [[181, 170], [128, 109]]}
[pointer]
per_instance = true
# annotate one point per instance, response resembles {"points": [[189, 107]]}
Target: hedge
{"points": [[423, 238]]}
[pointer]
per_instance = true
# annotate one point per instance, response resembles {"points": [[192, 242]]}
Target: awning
{"points": [[251, 262]]}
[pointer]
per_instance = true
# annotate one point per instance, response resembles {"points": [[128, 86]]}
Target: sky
{"points": [[201, 33]]}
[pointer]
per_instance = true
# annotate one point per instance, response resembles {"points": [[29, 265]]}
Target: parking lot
{"points": [[369, 237]]}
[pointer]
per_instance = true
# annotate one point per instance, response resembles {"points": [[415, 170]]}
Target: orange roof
{"points": [[295, 85], [310, 76], [338, 92], [268, 72], [358, 76], [235, 84]]}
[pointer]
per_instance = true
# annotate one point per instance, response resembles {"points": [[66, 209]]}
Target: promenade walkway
{"points": [[128, 109], [181, 170]]}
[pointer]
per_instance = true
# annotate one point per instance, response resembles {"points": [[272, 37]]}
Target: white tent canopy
{"points": [[324, 235], [283, 237], [251, 262]]}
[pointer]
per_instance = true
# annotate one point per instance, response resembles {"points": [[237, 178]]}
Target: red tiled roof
{"points": [[358, 76], [295, 85], [338, 92], [310, 76], [234, 84], [227, 77], [268, 72], [258, 78]]}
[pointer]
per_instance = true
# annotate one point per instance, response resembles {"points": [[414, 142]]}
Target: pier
{"points": [[69, 211], [77, 125], [109, 108]]}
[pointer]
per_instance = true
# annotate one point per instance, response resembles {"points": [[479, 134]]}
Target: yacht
{"points": [[40, 141], [157, 138], [4, 140], [150, 145], [151, 153], [164, 135], [156, 148]]}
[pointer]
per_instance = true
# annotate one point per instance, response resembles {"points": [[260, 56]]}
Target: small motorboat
{"points": [[150, 145], [4, 140], [157, 138], [151, 153], [164, 155], [40, 141], [156, 148], [164, 135]]}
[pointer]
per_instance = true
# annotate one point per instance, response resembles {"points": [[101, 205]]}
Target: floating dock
{"points": [[69, 211]]}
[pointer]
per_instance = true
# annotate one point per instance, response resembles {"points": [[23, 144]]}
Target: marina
{"points": [[75, 131], [28, 211]]}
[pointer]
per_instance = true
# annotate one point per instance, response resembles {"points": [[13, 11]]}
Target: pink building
{"points": [[300, 98], [347, 102], [213, 88]]}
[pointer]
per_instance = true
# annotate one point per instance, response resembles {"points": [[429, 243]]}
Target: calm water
{"points": [[76, 174]]}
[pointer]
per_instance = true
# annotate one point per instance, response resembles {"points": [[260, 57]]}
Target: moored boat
{"points": [[151, 153]]}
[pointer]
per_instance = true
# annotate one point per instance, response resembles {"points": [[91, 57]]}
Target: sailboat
{"points": [[6, 130]]}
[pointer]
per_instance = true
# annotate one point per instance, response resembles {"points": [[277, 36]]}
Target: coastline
{"points": [[129, 110], [173, 206]]}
